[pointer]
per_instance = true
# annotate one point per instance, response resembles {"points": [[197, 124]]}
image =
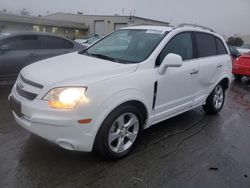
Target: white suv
{"points": [[103, 97]]}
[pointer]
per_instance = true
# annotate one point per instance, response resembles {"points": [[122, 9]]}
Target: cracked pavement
{"points": [[189, 150]]}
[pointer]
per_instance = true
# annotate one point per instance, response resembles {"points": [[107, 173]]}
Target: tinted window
{"points": [[205, 44], [181, 45], [26, 42], [48, 42], [220, 47]]}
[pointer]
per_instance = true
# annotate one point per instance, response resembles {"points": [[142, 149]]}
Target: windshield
{"points": [[4, 34], [92, 40], [127, 46]]}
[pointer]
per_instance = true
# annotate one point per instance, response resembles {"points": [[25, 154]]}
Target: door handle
{"points": [[219, 66], [194, 72]]}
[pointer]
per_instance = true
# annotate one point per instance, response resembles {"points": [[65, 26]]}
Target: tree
{"points": [[24, 12], [235, 41], [3, 10]]}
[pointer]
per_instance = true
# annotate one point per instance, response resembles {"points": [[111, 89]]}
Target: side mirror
{"points": [[4, 47], [171, 60]]}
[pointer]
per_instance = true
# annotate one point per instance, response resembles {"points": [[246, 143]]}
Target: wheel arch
{"points": [[225, 82], [138, 104], [129, 96]]}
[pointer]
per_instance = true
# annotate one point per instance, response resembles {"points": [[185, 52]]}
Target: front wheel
{"points": [[215, 100], [119, 132]]}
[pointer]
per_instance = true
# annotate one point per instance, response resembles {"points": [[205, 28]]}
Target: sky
{"points": [[227, 17]]}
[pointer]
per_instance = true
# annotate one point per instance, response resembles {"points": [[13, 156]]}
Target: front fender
{"points": [[115, 100], [120, 97]]}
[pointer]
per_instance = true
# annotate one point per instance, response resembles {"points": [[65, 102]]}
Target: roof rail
{"points": [[195, 25], [147, 24]]}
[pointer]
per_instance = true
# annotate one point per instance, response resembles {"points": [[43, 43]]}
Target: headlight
{"points": [[66, 97]]}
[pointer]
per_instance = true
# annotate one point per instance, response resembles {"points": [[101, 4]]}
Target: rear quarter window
{"points": [[220, 47], [206, 45]]}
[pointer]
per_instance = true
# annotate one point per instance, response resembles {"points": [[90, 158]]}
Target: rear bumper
{"points": [[241, 70]]}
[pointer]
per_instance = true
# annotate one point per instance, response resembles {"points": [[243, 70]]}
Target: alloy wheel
{"points": [[218, 97], [123, 132]]}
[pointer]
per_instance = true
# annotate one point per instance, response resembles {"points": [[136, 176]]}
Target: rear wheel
{"points": [[119, 132], [237, 77], [215, 100]]}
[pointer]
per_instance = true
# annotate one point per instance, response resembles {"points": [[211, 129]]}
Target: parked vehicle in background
{"points": [[234, 52], [88, 41], [241, 66], [20, 49], [244, 49], [103, 97], [80, 41]]}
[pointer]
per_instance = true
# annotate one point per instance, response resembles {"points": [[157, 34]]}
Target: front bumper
{"points": [[69, 137], [58, 126]]}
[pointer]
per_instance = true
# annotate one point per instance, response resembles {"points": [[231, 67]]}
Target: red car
{"points": [[241, 66]]}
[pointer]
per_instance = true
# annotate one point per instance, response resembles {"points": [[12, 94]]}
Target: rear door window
{"points": [[48, 42], [206, 45]]}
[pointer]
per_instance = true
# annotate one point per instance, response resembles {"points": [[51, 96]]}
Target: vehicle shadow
{"points": [[43, 162]]}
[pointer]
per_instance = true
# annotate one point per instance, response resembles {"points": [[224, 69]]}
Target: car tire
{"points": [[237, 77], [215, 100], [119, 132]]}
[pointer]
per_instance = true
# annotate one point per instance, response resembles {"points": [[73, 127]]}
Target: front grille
{"points": [[30, 82], [25, 94], [27, 88]]}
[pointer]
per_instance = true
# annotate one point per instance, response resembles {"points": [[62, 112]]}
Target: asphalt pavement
{"points": [[191, 150]]}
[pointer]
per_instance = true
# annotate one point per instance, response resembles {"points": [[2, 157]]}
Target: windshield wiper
{"points": [[85, 52], [103, 57]]}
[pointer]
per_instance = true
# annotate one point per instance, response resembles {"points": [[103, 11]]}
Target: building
{"points": [[104, 24], [71, 25], [10, 22]]}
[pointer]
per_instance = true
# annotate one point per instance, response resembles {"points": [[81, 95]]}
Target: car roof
{"points": [[21, 33], [150, 27], [181, 27]]}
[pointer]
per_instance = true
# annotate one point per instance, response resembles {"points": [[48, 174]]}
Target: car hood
{"points": [[74, 69]]}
